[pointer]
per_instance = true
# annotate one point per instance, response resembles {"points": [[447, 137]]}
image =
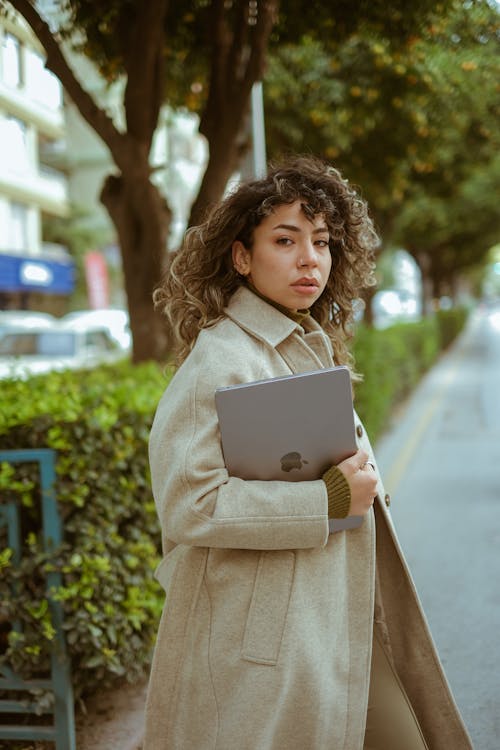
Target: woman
{"points": [[277, 635]]}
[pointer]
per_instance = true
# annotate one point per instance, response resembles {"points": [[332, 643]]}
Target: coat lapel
{"points": [[302, 348]]}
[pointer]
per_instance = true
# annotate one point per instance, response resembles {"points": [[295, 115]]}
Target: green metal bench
{"points": [[62, 729]]}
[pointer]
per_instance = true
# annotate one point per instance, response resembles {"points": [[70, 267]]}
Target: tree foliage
{"points": [[333, 23], [136, 40], [379, 89], [451, 217], [412, 120]]}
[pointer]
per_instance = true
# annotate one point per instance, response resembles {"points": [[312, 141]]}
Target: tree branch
{"points": [[219, 43], [240, 81], [237, 61], [145, 66], [220, 46], [268, 14], [239, 51], [57, 63]]}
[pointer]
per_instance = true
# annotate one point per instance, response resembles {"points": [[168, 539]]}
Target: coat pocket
{"points": [[166, 568], [268, 607]]}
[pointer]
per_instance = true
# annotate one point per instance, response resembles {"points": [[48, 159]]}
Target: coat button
{"points": [[359, 431], [387, 500]]}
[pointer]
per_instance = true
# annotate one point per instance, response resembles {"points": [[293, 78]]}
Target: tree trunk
{"points": [[141, 218], [439, 277], [140, 215], [238, 53], [424, 262], [367, 296], [454, 287], [223, 160]]}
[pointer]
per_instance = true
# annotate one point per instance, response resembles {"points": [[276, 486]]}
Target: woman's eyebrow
{"points": [[289, 227], [293, 228]]}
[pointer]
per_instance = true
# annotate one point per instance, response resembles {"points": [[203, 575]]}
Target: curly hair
{"points": [[201, 278]]}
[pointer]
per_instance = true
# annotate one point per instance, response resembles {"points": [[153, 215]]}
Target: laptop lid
{"points": [[291, 428]]}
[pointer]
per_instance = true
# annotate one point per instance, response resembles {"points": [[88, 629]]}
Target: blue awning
{"points": [[34, 273]]}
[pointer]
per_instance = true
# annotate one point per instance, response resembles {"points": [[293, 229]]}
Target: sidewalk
{"points": [[114, 720], [440, 462]]}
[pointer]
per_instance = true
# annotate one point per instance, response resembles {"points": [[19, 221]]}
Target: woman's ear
{"points": [[241, 258]]}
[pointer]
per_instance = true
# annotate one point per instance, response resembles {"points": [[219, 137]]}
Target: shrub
{"points": [[98, 422], [450, 323], [393, 360]]}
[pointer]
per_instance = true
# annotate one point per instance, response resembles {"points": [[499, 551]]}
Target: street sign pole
{"points": [[258, 131]]}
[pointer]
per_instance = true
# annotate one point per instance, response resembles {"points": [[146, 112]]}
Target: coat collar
{"points": [[262, 320]]}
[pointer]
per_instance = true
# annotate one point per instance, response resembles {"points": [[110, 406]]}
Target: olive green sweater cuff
{"points": [[339, 493]]}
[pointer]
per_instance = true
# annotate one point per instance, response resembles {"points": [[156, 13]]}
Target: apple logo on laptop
{"points": [[291, 461]]}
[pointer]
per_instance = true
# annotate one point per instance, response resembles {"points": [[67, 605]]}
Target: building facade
{"points": [[32, 126], [53, 165]]}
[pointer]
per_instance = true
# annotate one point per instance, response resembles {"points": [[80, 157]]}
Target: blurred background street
{"points": [[119, 127], [441, 464]]}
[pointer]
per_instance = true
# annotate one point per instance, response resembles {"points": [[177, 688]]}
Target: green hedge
{"points": [[450, 323], [98, 422], [393, 360]]}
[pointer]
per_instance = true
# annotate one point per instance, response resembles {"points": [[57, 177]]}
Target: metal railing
{"points": [[62, 729]]}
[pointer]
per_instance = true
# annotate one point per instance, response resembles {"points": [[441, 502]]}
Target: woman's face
{"points": [[290, 260]]}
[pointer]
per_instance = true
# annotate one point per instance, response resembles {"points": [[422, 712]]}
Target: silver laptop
{"points": [[291, 428]]}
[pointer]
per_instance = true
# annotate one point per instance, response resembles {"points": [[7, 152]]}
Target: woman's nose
{"points": [[307, 255]]}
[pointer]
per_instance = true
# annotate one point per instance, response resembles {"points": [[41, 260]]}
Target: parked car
{"points": [[391, 306], [32, 351], [25, 318], [114, 320]]}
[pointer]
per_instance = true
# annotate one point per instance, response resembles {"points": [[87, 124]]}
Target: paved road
{"points": [[441, 464]]}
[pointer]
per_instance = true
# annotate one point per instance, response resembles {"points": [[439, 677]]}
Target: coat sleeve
{"points": [[199, 504]]}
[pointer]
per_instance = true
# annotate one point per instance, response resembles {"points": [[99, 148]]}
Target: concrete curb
{"points": [[135, 742], [114, 719]]}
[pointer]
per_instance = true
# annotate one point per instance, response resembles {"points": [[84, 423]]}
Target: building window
{"points": [[14, 138], [12, 73], [41, 84], [17, 236]]}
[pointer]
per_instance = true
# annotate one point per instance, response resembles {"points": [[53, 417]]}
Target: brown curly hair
{"points": [[201, 277]]}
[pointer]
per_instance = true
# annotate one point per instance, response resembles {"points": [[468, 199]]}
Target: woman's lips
{"points": [[305, 286]]}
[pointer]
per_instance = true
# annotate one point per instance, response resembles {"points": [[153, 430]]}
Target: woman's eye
{"points": [[322, 243], [284, 241]]}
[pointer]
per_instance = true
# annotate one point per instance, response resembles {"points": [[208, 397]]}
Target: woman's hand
{"points": [[362, 481]]}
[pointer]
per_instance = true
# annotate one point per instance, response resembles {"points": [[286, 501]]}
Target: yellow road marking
{"points": [[398, 468]]}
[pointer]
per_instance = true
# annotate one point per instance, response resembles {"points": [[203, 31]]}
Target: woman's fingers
{"points": [[362, 479], [354, 463]]}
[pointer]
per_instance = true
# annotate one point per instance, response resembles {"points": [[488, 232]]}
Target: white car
{"points": [[24, 318], [114, 320], [391, 306], [36, 350]]}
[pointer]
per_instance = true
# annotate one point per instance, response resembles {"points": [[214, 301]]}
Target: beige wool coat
{"points": [[266, 634]]}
